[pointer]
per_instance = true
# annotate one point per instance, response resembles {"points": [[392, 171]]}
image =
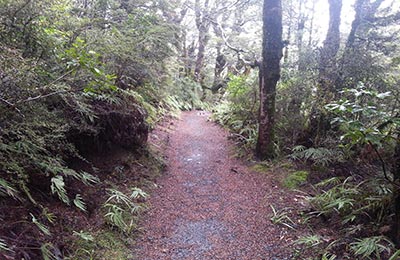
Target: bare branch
{"points": [[11, 105]]}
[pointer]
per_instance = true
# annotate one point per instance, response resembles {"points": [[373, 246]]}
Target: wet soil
{"points": [[208, 204]]}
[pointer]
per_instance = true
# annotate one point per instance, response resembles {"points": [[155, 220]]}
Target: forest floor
{"points": [[211, 205]]}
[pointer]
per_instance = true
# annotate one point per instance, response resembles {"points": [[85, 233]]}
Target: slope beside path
{"points": [[209, 205]]}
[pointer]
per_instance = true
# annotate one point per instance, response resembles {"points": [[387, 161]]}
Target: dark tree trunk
{"points": [[220, 60], [355, 24], [269, 76], [364, 13], [319, 122], [330, 48]]}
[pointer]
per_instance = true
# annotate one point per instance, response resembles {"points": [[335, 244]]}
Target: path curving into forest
{"points": [[209, 205]]}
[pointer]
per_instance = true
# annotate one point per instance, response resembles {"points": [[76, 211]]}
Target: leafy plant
{"points": [[364, 120], [47, 250], [79, 203], [40, 225], [84, 235], [122, 210], [328, 256], [309, 241], [318, 156], [371, 247], [281, 217], [238, 111]]}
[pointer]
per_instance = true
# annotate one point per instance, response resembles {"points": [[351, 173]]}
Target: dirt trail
{"points": [[208, 204]]}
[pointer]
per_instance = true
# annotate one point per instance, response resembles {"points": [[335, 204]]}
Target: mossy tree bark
{"points": [[269, 76]]}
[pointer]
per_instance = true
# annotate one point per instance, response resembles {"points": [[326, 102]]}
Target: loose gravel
{"points": [[209, 205]]}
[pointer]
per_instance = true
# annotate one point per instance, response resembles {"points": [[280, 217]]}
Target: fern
{"points": [[328, 256], [87, 178], [47, 252], [58, 187], [281, 217], [371, 247], [122, 209], [395, 256], [41, 226], [351, 199], [118, 197], [318, 156], [79, 203], [309, 241], [84, 235], [6, 189], [115, 216], [138, 193], [340, 199]]}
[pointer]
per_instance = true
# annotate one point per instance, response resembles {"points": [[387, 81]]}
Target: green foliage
{"points": [[363, 117], [309, 241], [47, 250], [371, 247], [79, 203], [320, 156], [239, 111], [293, 180], [43, 228], [6, 189], [281, 217], [395, 256], [84, 235], [351, 199], [122, 210], [77, 78]]}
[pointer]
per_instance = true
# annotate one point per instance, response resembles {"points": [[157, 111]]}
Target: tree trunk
{"points": [[269, 76], [319, 122], [364, 13], [203, 25], [330, 48]]}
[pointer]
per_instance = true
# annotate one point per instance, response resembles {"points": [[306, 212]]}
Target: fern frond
{"points": [[58, 187], [41, 226], [330, 181], [6, 189], [118, 197], [309, 241], [83, 235], [138, 193], [79, 203], [87, 178], [47, 251], [371, 247]]}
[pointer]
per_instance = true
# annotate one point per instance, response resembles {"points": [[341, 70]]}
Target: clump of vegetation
{"points": [[77, 81], [238, 111], [122, 210], [293, 180]]}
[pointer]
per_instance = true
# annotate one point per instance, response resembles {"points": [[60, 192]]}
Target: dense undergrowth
{"points": [[346, 177], [82, 84]]}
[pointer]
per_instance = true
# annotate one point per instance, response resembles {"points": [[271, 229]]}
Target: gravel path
{"points": [[208, 204]]}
